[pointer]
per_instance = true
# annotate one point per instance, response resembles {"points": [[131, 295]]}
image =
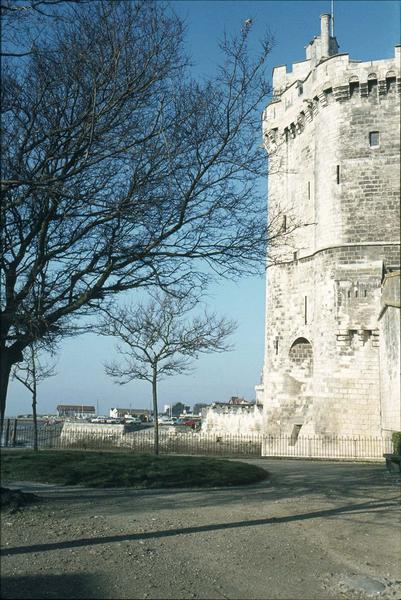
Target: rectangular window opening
{"points": [[372, 85], [353, 88], [390, 84], [308, 190], [338, 174], [306, 309], [374, 139], [296, 255], [276, 345], [285, 223]]}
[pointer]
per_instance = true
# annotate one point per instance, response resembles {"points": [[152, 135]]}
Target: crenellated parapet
{"points": [[335, 80]]}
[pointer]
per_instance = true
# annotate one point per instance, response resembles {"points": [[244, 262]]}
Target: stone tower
{"points": [[332, 133]]}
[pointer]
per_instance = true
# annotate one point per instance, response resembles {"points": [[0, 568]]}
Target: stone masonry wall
{"points": [[389, 324], [333, 138], [340, 323], [322, 168]]}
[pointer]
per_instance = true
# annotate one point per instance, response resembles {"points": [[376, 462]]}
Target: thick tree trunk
{"points": [[6, 363], [155, 412]]}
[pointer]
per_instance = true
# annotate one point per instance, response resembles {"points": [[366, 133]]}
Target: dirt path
{"points": [[314, 530]]}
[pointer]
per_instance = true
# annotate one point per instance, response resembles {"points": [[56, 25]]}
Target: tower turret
{"points": [[323, 46], [332, 132]]}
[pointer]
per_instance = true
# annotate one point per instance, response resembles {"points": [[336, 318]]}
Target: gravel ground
{"points": [[313, 530]]}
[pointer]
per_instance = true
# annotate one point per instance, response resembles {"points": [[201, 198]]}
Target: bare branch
{"points": [[119, 171], [159, 341]]}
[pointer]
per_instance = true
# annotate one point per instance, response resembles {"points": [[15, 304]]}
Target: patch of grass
{"points": [[123, 469]]}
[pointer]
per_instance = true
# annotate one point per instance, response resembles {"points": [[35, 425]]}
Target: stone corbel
{"points": [[322, 99], [375, 338], [308, 110], [341, 93], [382, 87], [363, 89]]}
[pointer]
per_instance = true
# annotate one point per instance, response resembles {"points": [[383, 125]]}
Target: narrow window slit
{"points": [[374, 139]]}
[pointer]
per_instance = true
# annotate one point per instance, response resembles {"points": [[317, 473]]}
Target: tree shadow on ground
{"points": [[359, 508], [64, 586], [288, 480]]}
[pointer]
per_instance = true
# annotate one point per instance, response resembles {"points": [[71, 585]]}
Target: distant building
{"points": [[178, 409], [80, 411], [142, 413], [239, 401], [174, 410], [235, 404]]}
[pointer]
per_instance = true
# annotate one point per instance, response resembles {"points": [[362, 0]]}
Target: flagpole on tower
{"points": [[332, 18]]}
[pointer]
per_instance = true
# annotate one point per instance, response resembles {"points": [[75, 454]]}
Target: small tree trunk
{"points": [[35, 422], [34, 403], [155, 413], [14, 436], [7, 434]]}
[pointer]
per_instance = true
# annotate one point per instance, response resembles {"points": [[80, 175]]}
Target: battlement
{"points": [[320, 48], [300, 95]]}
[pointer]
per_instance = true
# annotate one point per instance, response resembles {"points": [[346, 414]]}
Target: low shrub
{"points": [[396, 439], [13, 500]]}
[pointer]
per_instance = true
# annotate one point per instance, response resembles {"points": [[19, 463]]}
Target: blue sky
{"points": [[367, 30]]}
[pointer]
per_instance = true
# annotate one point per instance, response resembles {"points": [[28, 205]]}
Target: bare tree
{"points": [[158, 341], [30, 372], [120, 172], [24, 23]]}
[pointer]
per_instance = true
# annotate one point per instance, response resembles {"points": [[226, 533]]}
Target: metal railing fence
{"points": [[131, 438], [172, 441], [352, 447]]}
